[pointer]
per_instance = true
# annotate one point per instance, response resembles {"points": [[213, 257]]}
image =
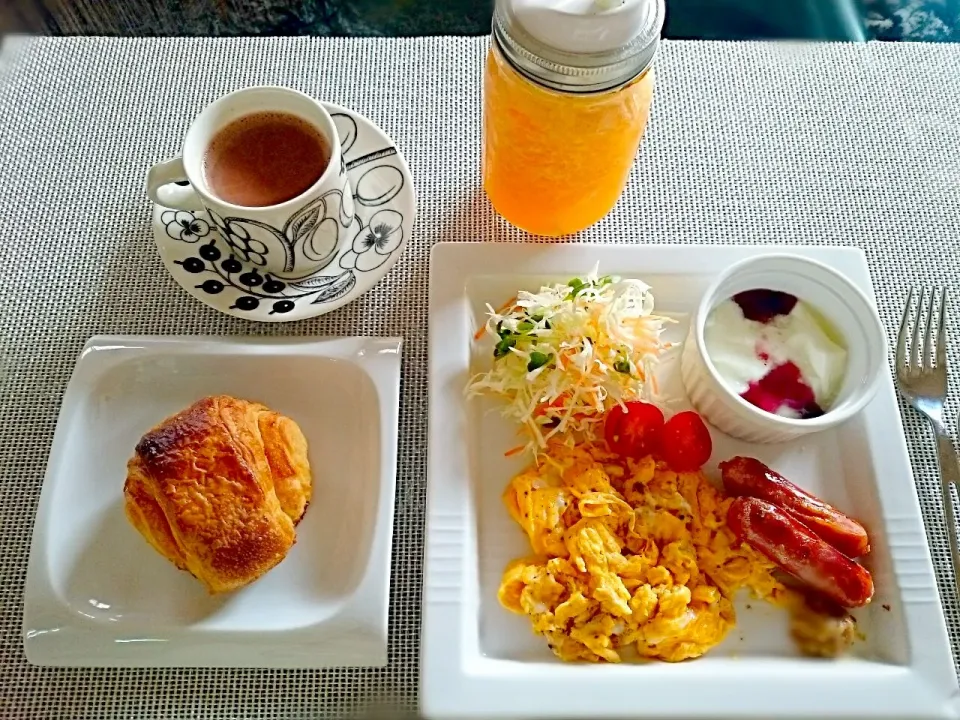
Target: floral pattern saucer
{"points": [[222, 265]]}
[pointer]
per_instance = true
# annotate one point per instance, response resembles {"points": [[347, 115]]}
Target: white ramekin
{"points": [[839, 300]]}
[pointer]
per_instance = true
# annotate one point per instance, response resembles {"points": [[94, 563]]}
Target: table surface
{"points": [[853, 145]]}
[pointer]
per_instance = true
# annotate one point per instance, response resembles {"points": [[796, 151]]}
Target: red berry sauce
{"points": [[764, 305], [783, 385]]}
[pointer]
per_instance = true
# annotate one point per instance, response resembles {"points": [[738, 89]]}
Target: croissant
{"points": [[218, 488]]}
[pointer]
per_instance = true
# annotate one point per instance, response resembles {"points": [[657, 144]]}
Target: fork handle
{"points": [[949, 475]]}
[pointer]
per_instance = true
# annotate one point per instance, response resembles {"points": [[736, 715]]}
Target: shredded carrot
{"points": [[515, 451], [557, 404], [508, 305]]}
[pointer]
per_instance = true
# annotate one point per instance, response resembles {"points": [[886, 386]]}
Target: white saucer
{"points": [[386, 206]]}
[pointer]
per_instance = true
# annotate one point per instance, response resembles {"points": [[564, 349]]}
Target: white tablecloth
{"points": [[748, 143]]}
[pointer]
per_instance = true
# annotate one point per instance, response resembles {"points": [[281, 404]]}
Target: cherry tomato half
{"points": [[634, 432], [686, 443]]}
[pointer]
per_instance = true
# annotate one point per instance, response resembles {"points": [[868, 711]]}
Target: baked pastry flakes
{"points": [[218, 488]]}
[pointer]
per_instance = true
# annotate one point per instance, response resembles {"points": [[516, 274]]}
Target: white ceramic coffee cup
{"points": [[291, 239]]}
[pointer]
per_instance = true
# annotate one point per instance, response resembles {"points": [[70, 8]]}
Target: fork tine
{"points": [[942, 331], [926, 356], [915, 358], [902, 335]]}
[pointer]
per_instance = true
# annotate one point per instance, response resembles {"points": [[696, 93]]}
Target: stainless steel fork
{"points": [[922, 381]]}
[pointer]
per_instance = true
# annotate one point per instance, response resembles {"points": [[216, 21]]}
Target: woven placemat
{"points": [[748, 143]]}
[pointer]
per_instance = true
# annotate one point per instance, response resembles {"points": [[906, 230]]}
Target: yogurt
{"points": [[776, 352]]}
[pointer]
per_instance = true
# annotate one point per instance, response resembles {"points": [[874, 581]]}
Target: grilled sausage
{"points": [[744, 476], [799, 552]]}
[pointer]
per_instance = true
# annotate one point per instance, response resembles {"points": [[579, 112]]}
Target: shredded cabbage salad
{"points": [[566, 354]]}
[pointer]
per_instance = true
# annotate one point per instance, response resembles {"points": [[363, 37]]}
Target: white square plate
{"points": [[98, 595], [479, 660]]}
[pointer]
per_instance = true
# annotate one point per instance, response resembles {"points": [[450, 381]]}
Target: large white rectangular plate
{"points": [[478, 660], [98, 595]]}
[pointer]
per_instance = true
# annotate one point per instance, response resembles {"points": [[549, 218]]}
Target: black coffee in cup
{"points": [[265, 158]]}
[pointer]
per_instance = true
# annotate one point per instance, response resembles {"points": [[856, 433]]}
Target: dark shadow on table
{"points": [[700, 19]]}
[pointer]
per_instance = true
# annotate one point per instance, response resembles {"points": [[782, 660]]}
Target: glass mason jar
{"points": [[561, 129]]}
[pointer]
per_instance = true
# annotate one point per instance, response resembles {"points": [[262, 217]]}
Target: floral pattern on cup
{"points": [[236, 236], [217, 265], [185, 226], [313, 231]]}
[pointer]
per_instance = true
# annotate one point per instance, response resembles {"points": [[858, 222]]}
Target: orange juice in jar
{"points": [[567, 92]]}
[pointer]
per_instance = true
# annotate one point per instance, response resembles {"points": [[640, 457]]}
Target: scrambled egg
{"points": [[626, 554]]}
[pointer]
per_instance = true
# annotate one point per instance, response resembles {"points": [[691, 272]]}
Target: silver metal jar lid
{"points": [[578, 72]]}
